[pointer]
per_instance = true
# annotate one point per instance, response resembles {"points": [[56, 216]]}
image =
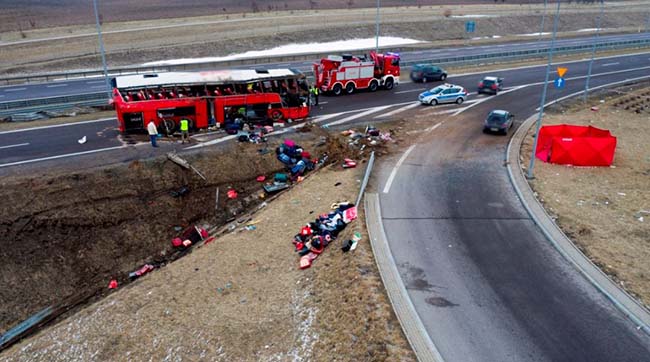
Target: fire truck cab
{"points": [[338, 74]]}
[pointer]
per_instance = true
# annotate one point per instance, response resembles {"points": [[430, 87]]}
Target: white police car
{"points": [[446, 93]]}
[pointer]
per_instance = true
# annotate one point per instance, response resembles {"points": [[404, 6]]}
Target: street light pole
{"points": [[543, 100], [101, 49], [541, 32], [593, 49], [377, 28]]}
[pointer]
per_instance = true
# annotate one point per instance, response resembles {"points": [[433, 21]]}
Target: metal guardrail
{"points": [[99, 98]]}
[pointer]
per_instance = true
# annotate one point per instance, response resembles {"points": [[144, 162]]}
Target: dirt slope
{"points": [[243, 298], [606, 210]]}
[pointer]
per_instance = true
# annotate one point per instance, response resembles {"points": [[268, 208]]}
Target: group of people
{"points": [[152, 130]]}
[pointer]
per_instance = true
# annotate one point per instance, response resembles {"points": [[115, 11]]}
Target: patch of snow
{"points": [[302, 48], [487, 37], [589, 29], [533, 34], [472, 16]]}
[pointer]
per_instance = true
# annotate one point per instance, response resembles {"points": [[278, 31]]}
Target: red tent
{"points": [[576, 145]]}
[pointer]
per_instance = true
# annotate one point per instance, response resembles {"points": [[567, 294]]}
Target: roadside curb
{"points": [[619, 297], [416, 334]]}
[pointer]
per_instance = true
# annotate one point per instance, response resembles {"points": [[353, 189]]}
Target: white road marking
{"points": [[608, 64], [98, 86], [56, 85], [487, 99], [362, 114], [319, 103], [445, 112], [15, 89], [96, 81], [59, 156], [1, 95], [409, 91], [434, 127], [58, 125], [16, 145], [398, 110], [213, 142], [394, 172]]}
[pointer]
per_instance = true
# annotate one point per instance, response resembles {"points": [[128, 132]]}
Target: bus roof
{"points": [[203, 77]]}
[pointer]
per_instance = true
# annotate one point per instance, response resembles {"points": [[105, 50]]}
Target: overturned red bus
{"points": [[209, 97]]}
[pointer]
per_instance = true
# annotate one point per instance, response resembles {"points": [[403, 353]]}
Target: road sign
{"points": [[559, 82], [561, 71], [470, 26]]}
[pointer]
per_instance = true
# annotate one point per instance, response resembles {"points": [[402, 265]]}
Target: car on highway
{"points": [[427, 72], [490, 85], [498, 121], [445, 93]]}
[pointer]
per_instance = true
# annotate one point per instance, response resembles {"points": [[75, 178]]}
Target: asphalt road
{"points": [[93, 85], [484, 281]]}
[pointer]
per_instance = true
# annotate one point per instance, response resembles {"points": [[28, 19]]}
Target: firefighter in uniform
{"points": [[185, 130], [313, 91]]}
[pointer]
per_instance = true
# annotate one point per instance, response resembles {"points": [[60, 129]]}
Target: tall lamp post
{"points": [[101, 49], [593, 49], [529, 175], [377, 28]]}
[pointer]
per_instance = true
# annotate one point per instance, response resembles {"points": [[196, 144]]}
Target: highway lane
{"points": [[485, 282], [50, 142], [92, 85]]}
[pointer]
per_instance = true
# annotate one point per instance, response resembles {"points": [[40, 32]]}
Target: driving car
{"points": [[445, 93], [498, 121], [490, 85], [426, 72]]}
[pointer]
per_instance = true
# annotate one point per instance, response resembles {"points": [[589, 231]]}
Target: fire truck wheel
{"points": [[169, 126], [349, 88], [389, 84], [373, 86], [337, 90]]}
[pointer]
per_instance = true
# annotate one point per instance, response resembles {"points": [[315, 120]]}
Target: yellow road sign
{"points": [[561, 71]]}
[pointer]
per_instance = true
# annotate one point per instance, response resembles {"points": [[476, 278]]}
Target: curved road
{"points": [[484, 281]]}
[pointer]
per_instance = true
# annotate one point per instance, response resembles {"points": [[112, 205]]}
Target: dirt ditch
{"points": [[67, 235]]}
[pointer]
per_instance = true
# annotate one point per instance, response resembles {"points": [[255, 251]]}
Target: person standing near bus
{"points": [[314, 94], [185, 130], [153, 132]]}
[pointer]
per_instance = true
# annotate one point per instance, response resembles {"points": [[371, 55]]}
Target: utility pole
{"points": [[541, 31], [593, 50], [377, 28], [101, 49], [543, 100]]}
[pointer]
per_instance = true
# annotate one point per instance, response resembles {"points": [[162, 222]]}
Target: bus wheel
{"points": [[276, 115], [373, 86], [349, 88], [337, 90], [169, 126], [389, 84]]}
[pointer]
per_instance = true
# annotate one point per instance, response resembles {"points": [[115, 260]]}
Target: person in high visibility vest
{"points": [[314, 94], [185, 130]]}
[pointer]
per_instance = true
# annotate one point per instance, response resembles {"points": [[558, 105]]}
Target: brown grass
{"points": [[600, 208]]}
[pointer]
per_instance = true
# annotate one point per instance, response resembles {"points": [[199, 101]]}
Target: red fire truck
{"points": [[210, 97], [337, 74]]}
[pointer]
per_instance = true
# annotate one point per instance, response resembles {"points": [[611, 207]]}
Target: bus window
{"points": [[176, 112]]}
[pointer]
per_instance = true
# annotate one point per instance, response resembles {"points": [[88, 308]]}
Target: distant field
{"points": [[36, 14], [132, 42]]}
